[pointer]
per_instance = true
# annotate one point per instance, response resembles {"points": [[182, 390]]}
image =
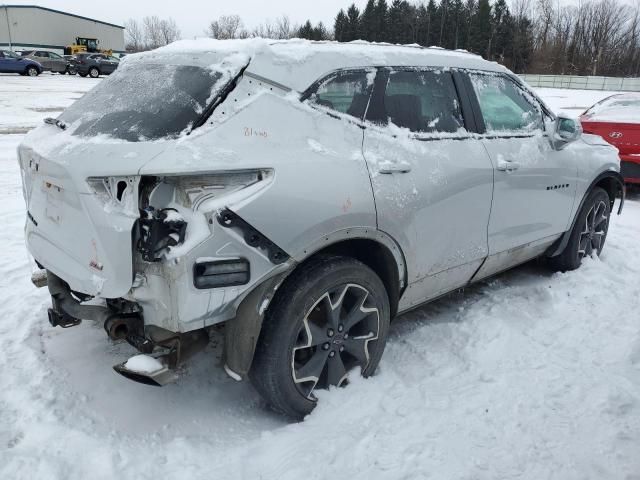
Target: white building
{"points": [[25, 27]]}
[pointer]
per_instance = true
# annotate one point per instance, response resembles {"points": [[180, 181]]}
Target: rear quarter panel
{"points": [[321, 184]]}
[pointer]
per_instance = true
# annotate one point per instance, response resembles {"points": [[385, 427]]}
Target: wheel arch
{"points": [[373, 248], [612, 183]]}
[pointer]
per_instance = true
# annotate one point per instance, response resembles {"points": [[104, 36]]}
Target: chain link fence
{"points": [[576, 82]]}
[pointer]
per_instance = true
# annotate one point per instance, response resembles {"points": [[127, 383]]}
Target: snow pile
{"points": [[531, 375]]}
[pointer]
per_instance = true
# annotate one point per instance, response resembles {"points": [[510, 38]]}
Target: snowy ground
{"points": [[531, 375]]}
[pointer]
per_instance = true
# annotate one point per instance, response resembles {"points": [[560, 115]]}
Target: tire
{"points": [[32, 71], [299, 333], [94, 72], [589, 232]]}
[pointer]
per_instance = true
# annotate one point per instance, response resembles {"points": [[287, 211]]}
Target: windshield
{"points": [[9, 54], [148, 101]]}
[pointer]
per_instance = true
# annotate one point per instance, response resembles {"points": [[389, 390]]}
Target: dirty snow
{"points": [[530, 375]]}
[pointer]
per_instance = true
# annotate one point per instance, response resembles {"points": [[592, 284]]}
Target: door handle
{"points": [[388, 168], [507, 165]]}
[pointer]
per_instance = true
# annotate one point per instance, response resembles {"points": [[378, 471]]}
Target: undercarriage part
{"points": [[119, 327], [173, 349], [61, 319], [155, 372], [39, 278], [66, 310], [252, 237], [159, 229]]}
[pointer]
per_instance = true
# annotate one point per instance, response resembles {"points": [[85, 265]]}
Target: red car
{"points": [[617, 120]]}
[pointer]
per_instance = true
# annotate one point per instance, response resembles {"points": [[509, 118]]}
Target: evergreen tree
{"points": [[368, 22], [353, 23], [305, 31], [320, 32], [481, 28], [381, 21], [433, 25], [502, 31], [340, 26], [422, 25]]}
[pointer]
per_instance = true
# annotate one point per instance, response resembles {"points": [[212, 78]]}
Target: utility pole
{"points": [[6, 12]]}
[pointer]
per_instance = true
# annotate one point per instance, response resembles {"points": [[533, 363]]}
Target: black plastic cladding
{"points": [[252, 237]]}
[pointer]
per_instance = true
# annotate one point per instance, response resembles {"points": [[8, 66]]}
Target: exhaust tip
{"points": [[146, 370]]}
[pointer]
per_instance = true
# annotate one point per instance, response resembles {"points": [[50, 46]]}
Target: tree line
{"points": [[592, 37]]}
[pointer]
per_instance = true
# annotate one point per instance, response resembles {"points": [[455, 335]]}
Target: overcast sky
{"points": [[193, 16]]}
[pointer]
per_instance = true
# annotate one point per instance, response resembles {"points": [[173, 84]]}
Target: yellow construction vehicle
{"points": [[84, 44]]}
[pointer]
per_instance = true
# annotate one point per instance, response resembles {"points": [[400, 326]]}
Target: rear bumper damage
{"points": [[164, 350]]}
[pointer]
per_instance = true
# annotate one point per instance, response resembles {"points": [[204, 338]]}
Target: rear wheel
{"points": [[589, 232], [329, 318], [94, 72], [32, 71]]}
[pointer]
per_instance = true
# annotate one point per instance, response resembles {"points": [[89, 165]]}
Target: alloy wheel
{"points": [[592, 236], [334, 338]]}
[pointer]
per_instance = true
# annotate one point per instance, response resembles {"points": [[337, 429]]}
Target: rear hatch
{"points": [[80, 177], [624, 136]]}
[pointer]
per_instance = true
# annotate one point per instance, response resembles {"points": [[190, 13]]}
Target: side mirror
{"points": [[566, 130]]}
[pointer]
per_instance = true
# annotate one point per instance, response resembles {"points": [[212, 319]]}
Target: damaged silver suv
{"points": [[302, 193]]}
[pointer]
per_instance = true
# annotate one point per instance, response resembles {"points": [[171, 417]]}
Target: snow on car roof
{"points": [[297, 63]]}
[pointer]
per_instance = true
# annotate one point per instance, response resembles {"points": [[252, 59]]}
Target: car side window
{"points": [[424, 101], [54, 55], [346, 92], [42, 54], [1, 54], [505, 107]]}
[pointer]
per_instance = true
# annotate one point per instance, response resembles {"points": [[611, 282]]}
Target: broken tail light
{"points": [[158, 231]]}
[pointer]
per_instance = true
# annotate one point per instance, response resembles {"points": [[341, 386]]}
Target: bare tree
{"points": [[280, 29], [226, 27], [152, 31], [169, 31], [134, 36]]}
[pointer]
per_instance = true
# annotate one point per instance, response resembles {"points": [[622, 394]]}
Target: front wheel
{"points": [[589, 232], [32, 71], [94, 72], [330, 318]]}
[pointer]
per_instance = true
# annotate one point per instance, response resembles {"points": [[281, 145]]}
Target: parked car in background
{"points": [[94, 64], [11, 62], [50, 61], [302, 193], [617, 120]]}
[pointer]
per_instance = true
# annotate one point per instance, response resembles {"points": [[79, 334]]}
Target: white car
{"points": [[303, 193]]}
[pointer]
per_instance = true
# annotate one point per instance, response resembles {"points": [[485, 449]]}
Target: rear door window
{"points": [[505, 106], [424, 101], [346, 92]]}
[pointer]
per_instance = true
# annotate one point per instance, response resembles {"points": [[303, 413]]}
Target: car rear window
{"points": [[142, 102]]}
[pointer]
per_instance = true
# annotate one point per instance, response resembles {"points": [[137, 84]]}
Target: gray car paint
{"points": [[327, 186]]}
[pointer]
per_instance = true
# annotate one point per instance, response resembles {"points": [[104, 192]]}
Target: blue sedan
{"points": [[13, 63]]}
